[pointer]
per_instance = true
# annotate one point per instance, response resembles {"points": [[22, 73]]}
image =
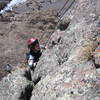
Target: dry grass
{"points": [[86, 51]]}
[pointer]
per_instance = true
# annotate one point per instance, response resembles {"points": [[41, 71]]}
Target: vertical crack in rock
{"points": [[28, 75], [37, 80], [97, 66], [27, 93]]}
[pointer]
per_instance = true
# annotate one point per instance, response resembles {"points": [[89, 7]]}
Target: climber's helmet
{"points": [[33, 44]]}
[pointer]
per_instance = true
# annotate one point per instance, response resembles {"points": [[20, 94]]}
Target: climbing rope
{"points": [[58, 18], [63, 7], [67, 9], [64, 10]]}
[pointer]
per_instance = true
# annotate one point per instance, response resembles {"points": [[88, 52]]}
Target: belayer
{"points": [[34, 53]]}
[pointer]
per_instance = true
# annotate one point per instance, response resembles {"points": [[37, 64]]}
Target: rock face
{"points": [[16, 86], [67, 68], [96, 56]]}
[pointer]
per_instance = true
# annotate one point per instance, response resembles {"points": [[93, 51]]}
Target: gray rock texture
{"points": [[75, 77], [67, 68], [16, 86], [96, 57]]}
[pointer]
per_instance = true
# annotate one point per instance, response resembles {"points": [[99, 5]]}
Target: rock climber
{"points": [[34, 53]]}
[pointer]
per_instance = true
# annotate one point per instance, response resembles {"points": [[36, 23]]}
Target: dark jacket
{"points": [[34, 56]]}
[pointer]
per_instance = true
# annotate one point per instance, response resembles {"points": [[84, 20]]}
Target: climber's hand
{"points": [[34, 64]]}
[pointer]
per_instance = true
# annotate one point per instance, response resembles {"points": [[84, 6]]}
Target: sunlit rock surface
{"points": [[76, 76], [67, 69]]}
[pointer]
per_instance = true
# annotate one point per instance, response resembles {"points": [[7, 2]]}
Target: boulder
{"points": [[16, 86]]}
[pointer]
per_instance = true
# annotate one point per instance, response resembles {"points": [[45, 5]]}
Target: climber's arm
{"points": [[30, 60]]}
